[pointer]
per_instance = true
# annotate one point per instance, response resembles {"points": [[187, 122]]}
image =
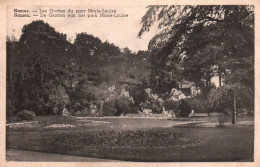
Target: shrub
{"points": [[26, 115], [59, 97], [76, 106], [155, 105], [116, 105], [199, 104], [138, 95], [223, 97], [94, 110], [123, 105], [185, 109], [171, 105], [109, 107]]}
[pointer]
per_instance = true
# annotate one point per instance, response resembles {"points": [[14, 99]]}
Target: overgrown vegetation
{"points": [[46, 72], [199, 42]]}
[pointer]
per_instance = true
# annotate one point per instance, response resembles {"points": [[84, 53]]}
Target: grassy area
{"points": [[136, 139]]}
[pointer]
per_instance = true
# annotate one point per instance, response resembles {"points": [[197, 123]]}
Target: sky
{"points": [[120, 31]]}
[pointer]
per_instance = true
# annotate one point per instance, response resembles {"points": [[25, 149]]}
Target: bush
{"points": [[117, 105], [123, 105], [109, 108], [155, 105], [94, 110], [199, 104], [138, 95], [76, 106], [223, 97], [26, 115], [185, 109], [171, 105]]}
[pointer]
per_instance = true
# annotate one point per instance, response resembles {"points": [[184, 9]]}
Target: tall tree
{"points": [[205, 39], [88, 44], [37, 65]]}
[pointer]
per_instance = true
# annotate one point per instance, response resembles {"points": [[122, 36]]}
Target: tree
{"points": [[37, 65], [206, 40], [231, 96], [88, 44]]}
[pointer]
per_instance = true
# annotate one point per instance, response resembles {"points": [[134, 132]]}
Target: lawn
{"points": [[136, 139]]}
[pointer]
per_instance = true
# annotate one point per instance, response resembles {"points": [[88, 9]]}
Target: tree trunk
{"points": [[220, 78], [234, 111], [101, 107]]}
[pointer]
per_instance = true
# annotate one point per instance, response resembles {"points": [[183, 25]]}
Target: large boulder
{"points": [[26, 115]]}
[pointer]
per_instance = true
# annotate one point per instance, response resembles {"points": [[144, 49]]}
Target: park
{"points": [[189, 97]]}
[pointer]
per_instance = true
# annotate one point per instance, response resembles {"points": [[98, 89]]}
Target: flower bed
{"points": [[20, 125], [60, 126], [137, 138]]}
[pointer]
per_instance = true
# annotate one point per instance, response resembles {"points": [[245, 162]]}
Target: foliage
{"points": [[136, 138], [199, 104], [138, 94], [153, 103], [124, 105], [36, 67], [205, 41], [185, 108], [172, 105], [59, 98], [45, 71], [26, 115], [156, 106], [223, 96], [116, 105], [88, 44], [109, 108]]}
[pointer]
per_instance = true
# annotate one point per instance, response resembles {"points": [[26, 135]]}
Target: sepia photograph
{"points": [[133, 83]]}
